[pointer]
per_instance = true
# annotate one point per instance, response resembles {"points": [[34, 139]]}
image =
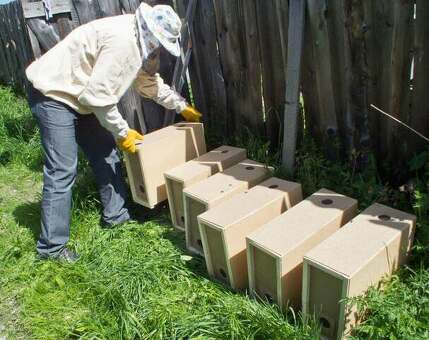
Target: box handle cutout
{"points": [[222, 273], [384, 217], [225, 151], [273, 186], [182, 218], [141, 187], [250, 168], [327, 201], [181, 125], [200, 244], [325, 323]]}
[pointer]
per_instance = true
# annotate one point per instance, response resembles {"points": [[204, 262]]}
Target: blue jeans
{"points": [[62, 130]]}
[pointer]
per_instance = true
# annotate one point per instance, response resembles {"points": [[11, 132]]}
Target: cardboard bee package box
{"points": [[275, 251], [370, 247], [160, 151], [194, 171], [223, 229], [216, 189]]}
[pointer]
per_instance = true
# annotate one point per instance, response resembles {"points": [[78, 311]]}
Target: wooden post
{"points": [[293, 73]]}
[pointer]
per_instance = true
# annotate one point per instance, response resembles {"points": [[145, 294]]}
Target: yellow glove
{"points": [[128, 143], [191, 115]]}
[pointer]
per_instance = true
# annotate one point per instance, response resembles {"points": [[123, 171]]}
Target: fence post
{"points": [[293, 73]]}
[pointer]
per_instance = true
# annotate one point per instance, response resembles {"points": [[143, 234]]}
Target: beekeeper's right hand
{"points": [[128, 143]]}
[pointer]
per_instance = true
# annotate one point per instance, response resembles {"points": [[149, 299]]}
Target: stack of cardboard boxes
{"points": [[257, 233]]}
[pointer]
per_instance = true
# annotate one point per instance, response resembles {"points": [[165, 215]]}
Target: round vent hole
{"points": [[384, 217], [182, 218], [327, 201]]}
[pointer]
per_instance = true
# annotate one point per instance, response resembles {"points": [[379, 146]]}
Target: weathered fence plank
{"points": [[328, 128], [239, 54], [419, 115], [273, 64], [208, 86], [16, 46], [391, 20]]}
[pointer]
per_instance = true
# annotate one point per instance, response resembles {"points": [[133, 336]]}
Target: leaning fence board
{"points": [[419, 116], [205, 69], [239, 52], [317, 10], [16, 46], [271, 32], [391, 33]]}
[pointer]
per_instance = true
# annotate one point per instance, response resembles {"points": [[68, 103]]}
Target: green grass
{"points": [[137, 281]]}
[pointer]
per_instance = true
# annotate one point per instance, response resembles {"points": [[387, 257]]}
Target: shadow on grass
{"points": [[28, 216]]}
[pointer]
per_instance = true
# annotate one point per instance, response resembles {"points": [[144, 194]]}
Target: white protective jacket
{"points": [[91, 69]]}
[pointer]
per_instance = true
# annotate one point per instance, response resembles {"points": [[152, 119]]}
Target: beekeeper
{"points": [[77, 86]]}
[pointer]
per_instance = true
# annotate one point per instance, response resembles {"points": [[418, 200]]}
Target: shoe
{"points": [[108, 226], [65, 255]]}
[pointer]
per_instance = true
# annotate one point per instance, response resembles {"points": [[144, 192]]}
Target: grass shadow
{"points": [[28, 216]]}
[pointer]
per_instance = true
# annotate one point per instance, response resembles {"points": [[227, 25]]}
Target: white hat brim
{"points": [[173, 48]]}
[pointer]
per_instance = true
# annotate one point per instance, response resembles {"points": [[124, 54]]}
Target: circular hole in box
{"points": [[222, 273], [384, 217], [250, 168], [273, 186], [324, 323], [225, 151], [182, 218], [268, 297], [327, 201], [200, 244], [330, 132], [142, 189]]}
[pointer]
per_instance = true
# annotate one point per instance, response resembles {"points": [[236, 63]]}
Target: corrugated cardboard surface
{"points": [[243, 205], [244, 213], [289, 236], [195, 171], [292, 228], [216, 189], [247, 173], [355, 245], [373, 244], [208, 164], [162, 150]]}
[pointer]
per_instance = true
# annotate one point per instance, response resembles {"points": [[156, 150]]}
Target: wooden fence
{"points": [[356, 53]]}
